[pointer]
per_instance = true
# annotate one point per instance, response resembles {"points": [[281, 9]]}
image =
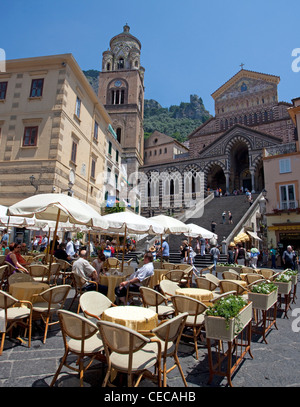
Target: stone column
{"points": [[252, 181]]}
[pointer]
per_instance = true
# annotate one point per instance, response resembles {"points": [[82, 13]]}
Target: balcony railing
{"points": [[281, 149], [285, 205]]}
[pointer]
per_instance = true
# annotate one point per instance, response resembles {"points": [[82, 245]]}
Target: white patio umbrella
{"points": [[171, 226], [14, 221], [196, 230], [128, 222], [58, 208]]}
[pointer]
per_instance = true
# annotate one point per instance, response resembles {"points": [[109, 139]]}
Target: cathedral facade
{"points": [[228, 148]]}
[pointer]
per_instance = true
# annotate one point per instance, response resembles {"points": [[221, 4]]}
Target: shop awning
{"points": [[253, 234]]}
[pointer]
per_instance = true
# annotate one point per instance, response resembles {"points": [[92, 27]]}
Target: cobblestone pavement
{"points": [[276, 364]]}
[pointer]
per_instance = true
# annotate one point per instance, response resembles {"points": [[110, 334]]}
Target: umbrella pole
{"points": [[89, 243], [123, 254], [53, 243], [161, 251], [189, 260]]}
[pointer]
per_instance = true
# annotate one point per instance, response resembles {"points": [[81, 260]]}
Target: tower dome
{"points": [[124, 52]]}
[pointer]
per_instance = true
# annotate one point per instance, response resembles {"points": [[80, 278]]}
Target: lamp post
{"points": [[32, 182]]}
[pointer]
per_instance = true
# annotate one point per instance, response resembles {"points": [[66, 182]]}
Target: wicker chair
{"points": [[195, 319], [81, 338], [157, 302], [53, 299], [39, 273], [168, 288], [204, 283], [169, 333], [136, 294], [129, 352], [231, 275], [93, 303], [229, 285], [15, 313], [79, 284]]}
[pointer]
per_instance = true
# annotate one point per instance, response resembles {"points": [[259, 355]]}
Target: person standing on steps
{"points": [[223, 217], [230, 218], [214, 254], [202, 245], [213, 226]]}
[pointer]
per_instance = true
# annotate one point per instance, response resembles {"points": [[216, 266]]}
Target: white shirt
{"points": [[147, 270], [70, 248], [83, 268]]}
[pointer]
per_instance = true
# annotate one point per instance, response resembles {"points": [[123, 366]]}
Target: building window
{"points": [[93, 168], [116, 180], [118, 97], [284, 165], [119, 132], [36, 88], [74, 152], [3, 88], [108, 66], [96, 128], [121, 63], [109, 147], [117, 156], [30, 136], [78, 107], [287, 197], [166, 150]]}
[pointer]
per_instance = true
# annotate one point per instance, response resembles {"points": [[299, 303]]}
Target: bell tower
{"points": [[121, 90]]}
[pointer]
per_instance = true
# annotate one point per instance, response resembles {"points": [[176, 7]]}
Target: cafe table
{"points": [[25, 290], [111, 281], [199, 294], [133, 317]]}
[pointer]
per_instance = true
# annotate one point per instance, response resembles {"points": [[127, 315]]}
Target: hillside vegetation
{"points": [[175, 121]]}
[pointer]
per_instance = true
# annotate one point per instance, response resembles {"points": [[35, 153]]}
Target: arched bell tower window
{"points": [[108, 66], [121, 63], [119, 133], [117, 96]]}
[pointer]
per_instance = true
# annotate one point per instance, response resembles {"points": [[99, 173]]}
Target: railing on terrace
{"points": [[280, 149]]}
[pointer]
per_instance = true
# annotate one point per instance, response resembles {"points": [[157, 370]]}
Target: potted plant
{"points": [[293, 274], [284, 283], [227, 317], [263, 295]]}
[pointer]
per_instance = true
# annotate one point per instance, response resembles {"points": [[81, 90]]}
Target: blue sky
{"points": [[188, 47]]}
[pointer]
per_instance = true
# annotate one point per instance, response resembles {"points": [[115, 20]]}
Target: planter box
{"points": [[263, 301], [294, 279], [283, 288], [217, 328]]}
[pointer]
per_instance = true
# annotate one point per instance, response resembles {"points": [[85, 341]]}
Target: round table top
{"points": [[137, 318], [200, 294], [130, 312], [29, 284]]}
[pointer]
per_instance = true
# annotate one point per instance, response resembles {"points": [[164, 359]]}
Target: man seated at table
{"points": [[136, 278], [61, 253], [85, 270]]}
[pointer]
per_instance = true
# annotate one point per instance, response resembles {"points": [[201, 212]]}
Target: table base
{"points": [[236, 351], [264, 320]]}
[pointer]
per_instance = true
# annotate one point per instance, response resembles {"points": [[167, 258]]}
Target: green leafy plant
{"points": [[283, 278], [290, 272], [263, 288], [227, 308]]}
